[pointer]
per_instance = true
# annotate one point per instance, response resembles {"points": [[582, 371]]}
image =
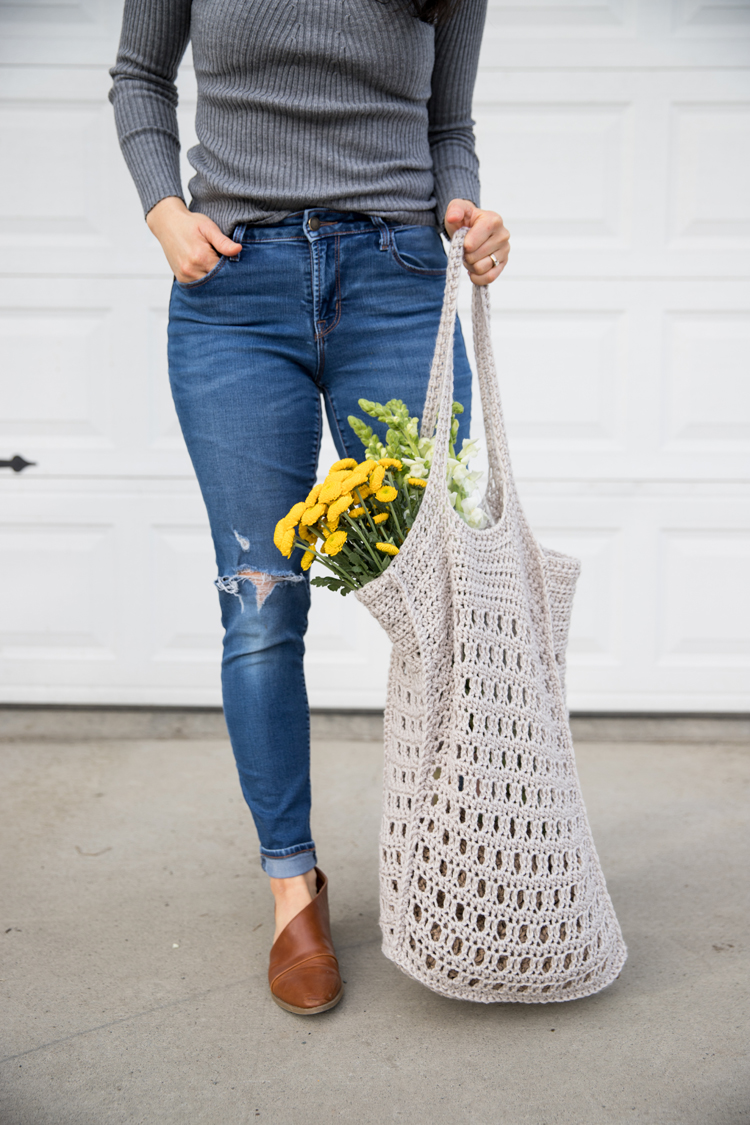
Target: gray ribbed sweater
{"points": [[350, 104]]}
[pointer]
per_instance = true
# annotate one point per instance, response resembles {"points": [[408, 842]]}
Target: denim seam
{"points": [[334, 412], [284, 853], [318, 235], [337, 315], [315, 236], [187, 285], [418, 270]]}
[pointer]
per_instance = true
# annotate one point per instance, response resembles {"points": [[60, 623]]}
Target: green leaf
{"points": [[331, 584]]}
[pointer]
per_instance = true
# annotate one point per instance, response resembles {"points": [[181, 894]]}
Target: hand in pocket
{"points": [[192, 243]]}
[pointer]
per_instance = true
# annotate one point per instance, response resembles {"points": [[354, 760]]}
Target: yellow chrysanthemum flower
{"points": [[307, 559], [386, 494], [355, 513], [292, 518], [346, 463], [332, 524], [390, 463], [287, 542], [313, 496], [335, 542], [338, 507], [381, 517], [358, 477], [363, 491], [368, 464], [312, 515], [417, 482], [332, 487], [278, 532], [306, 534], [377, 477], [387, 548]]}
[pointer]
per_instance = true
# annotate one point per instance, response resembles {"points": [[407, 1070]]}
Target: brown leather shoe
{"points": [[304, 973]]}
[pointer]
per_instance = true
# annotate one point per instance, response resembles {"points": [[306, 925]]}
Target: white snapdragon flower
{"points": [[472, 513], [469, 449]]}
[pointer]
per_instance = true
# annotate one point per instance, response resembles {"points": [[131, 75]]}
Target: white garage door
{"points": [[615, 138]]}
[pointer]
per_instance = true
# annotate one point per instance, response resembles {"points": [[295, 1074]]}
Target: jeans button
{"points": [[314, 223]]}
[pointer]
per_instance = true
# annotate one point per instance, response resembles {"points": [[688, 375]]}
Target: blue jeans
{"points": [[327, 304]]}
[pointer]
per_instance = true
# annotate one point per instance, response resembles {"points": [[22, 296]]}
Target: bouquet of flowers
{"points": [[355, 521]]}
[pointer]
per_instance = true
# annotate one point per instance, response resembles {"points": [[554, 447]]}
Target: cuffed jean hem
{"points": [[286, 866]]}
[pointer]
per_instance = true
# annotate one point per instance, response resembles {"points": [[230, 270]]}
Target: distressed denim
{"points": [[323, 306]]}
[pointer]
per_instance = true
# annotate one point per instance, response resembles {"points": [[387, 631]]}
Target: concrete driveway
{"points": [[136, 924]]}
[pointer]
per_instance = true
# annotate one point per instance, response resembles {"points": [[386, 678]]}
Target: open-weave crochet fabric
{"points": [[491, 888]]}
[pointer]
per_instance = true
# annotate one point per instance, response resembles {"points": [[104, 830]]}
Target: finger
{"points": [[218, 240], [196, 263], [458, 214], [488, 260], [485, 225], [483, 266], [498, 242], [226, 246], [488, 274]]}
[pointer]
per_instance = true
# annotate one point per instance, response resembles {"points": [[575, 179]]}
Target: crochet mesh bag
{"points": [[491, 888]]}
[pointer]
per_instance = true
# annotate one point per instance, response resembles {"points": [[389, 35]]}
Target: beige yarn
{"points": [[491, 888]]}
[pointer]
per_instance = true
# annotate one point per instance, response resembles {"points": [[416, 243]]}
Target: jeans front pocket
{"points": [[206, 277], [419, 250]]}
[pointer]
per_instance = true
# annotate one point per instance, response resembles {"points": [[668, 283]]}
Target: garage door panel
{"points": [[84, 379], [595, 629], [704, 613], [564, 168], [184, 617], [662, 576], [53, 392], [55, 598], [641, 380], [64, 206], [562, 375], [705, 372], [628, 172], [573, 18], [717, 17], [709, 189]]}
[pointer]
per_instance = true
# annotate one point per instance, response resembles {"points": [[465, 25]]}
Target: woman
{"points": [[336, 143]]}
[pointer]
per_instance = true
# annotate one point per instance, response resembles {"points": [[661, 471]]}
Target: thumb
{"points": [[219, 241], [458, 214]]}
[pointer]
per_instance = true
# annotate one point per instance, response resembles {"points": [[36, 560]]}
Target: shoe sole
{"points": [[307, 1011]]}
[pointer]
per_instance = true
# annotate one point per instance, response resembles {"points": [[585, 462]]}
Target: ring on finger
{"points": [[494, 260]]}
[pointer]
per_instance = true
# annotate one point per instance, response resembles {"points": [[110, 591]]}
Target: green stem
{"points": [[353, 523], [393, 510], [327, 561], [374, 526]]}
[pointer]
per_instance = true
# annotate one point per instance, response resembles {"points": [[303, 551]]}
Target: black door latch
{"points": [[17, 463]]}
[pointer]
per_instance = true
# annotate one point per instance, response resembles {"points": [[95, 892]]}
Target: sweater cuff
{"points": [[153, 157]]}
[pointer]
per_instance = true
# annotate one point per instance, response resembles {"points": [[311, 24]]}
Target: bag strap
{"points": [[439, 400]]}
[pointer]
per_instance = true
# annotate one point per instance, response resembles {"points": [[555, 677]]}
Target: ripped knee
{"points": [[263, 582]]}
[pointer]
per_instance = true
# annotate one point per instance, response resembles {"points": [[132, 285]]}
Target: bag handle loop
{"points": [[439, 399]]}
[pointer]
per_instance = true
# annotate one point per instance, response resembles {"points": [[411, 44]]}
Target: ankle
{"points": [[294, 886], [290, 897]]}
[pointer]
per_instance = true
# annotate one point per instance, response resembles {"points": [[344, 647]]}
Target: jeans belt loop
{"points": [[385, 232]]}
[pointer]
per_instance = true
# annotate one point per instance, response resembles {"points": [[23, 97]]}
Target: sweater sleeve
{"points": [[451, 128], [154, 38]]}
